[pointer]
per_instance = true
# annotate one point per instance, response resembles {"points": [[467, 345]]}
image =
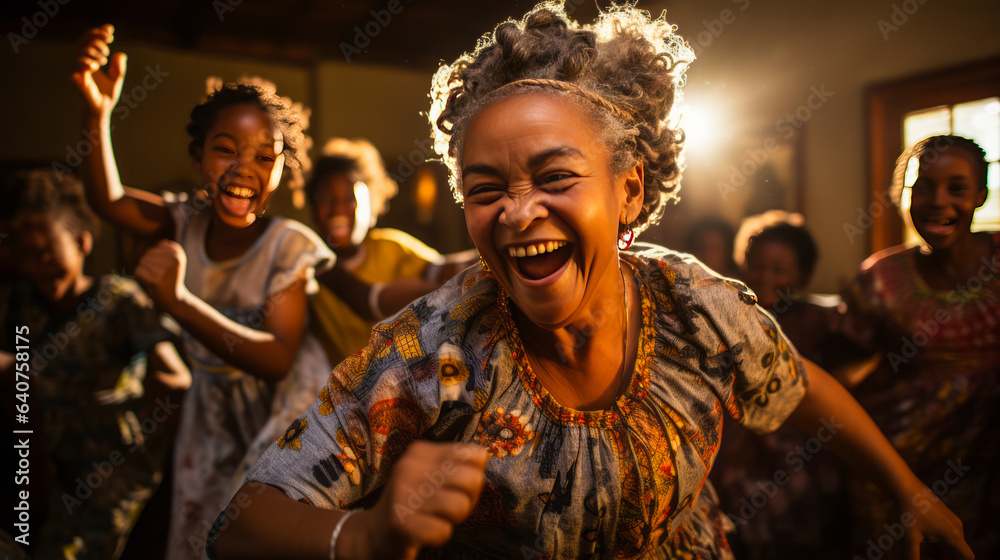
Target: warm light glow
{"points": [[702, 128], [425, 194]]}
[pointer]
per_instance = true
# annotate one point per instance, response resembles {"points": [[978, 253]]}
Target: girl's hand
{"points": [[161, 271], [100, 89], [432, 488], [930, 520]]}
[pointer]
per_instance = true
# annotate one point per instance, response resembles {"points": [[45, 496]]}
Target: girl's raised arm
{"points": [[100, 90]]}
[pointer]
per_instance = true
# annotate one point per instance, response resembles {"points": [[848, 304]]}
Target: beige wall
{"points": [[757, 68]]}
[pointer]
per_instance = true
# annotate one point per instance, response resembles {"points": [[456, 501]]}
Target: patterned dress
{"points": [[937, 390], [625, 482], [229, 416], [102, 460]]}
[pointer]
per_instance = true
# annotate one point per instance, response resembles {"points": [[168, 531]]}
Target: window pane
{"points": [[988, 216], [980, 121], [921, 124]]}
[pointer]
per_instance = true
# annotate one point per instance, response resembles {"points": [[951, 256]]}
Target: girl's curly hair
{"points": [[289, 119], [626, 70], [928, 150]]}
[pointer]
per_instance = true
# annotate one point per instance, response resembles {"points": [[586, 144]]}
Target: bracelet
{"points": [[336, 533]]}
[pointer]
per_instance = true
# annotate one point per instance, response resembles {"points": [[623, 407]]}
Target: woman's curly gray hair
{"points": [[626, 70]]}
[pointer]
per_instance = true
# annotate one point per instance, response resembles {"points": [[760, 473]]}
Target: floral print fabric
{"points": [[625, 482]]}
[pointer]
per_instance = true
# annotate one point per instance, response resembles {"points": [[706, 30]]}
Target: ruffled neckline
{"points": [[636, 388]]}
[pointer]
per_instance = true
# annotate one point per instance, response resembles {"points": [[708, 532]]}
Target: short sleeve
{"points": [[728, 344], [299, 255], [408, 256], [183, 209], [376, 403]]}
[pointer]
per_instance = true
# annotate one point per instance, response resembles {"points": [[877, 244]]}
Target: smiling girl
{"points": [[235, 279], [933, 310]]}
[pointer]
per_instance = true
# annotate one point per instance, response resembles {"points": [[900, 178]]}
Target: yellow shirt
{"points": [[388, 254]]}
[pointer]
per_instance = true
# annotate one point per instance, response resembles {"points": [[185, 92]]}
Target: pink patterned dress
{"points": [[937, 390]]}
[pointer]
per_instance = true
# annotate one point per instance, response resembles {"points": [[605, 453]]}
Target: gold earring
{"points": [[482, 263]]}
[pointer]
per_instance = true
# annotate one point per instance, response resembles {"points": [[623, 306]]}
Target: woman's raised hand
{"points": [[100, 89], [432, 488]]}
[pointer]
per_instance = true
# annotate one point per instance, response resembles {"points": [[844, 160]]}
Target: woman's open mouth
{"points": [[535, 261]]}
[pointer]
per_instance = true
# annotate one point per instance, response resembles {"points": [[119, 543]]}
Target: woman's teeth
{"points": [[535, 249], [239, 192]]}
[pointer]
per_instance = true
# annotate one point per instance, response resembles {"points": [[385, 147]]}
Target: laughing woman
{"points": [[573, 393]]}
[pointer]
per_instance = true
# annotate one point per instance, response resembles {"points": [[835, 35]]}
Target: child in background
{"points": [[777, 256], [804, 508], [348, 191], [105, 378], [236, 280], [933, 311]]}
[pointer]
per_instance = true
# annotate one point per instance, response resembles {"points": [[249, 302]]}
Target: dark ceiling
{"points": [[412, 33]]}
